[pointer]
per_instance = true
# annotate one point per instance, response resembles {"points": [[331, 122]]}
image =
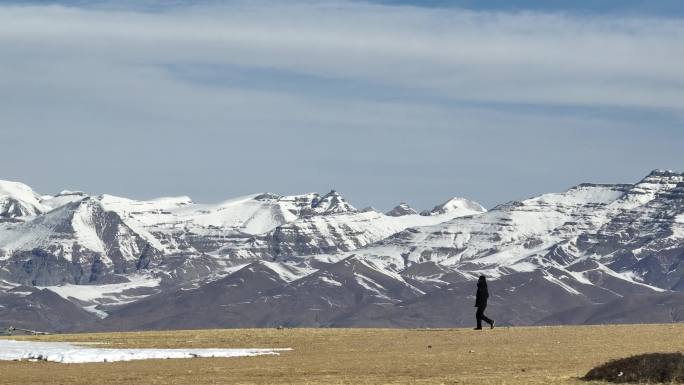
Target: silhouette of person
{"points": [[481, 303]]}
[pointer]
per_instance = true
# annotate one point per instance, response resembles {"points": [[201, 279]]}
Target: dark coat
{"points": [[482, 294]]}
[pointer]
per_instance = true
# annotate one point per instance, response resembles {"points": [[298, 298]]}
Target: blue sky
{"points": [[634, 7], [387, 101]]}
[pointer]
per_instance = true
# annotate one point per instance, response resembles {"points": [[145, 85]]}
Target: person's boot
{"points": [[491, 324]]}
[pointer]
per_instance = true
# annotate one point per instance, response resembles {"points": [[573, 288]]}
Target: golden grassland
{"points": [[520, 355]]}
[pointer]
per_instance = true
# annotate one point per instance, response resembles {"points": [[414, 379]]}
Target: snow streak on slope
{"points": [[678, 228], [90, 296]]}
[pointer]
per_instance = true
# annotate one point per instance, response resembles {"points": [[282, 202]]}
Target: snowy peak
{"points": [[87, 223], [401, 210], [332, 203], [18, 200], [65, 193], [657, 182], [583, 194], [78, 233], [660, 174], [267, 197], [456, 205], [63, 198], [126, 206]]}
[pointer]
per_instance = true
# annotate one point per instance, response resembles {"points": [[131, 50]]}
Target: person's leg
{"points": [[486, 319], [478, 315]]}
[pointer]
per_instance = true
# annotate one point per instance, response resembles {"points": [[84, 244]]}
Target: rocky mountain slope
{"points": [[315, 260]]}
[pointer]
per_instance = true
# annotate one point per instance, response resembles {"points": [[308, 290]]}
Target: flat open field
{"points": [[534, 355]]}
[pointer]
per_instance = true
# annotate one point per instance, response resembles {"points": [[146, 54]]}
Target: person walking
{"points": [[481, 303]]}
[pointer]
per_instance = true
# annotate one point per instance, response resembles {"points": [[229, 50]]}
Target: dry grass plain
{"points": [[521, 355]]}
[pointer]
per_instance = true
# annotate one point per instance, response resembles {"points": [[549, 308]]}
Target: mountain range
{"points": [[596, 253]]}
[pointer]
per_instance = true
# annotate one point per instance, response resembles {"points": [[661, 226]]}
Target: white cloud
{"points": [[97, 83], [485, 57]]}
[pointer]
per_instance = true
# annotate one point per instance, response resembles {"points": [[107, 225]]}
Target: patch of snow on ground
{"points": [[71, 353]]}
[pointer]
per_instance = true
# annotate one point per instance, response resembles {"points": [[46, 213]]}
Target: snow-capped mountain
{"points": [[315, 260], [401, 209], [456, 205], [79, 242], [18, 200]]}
